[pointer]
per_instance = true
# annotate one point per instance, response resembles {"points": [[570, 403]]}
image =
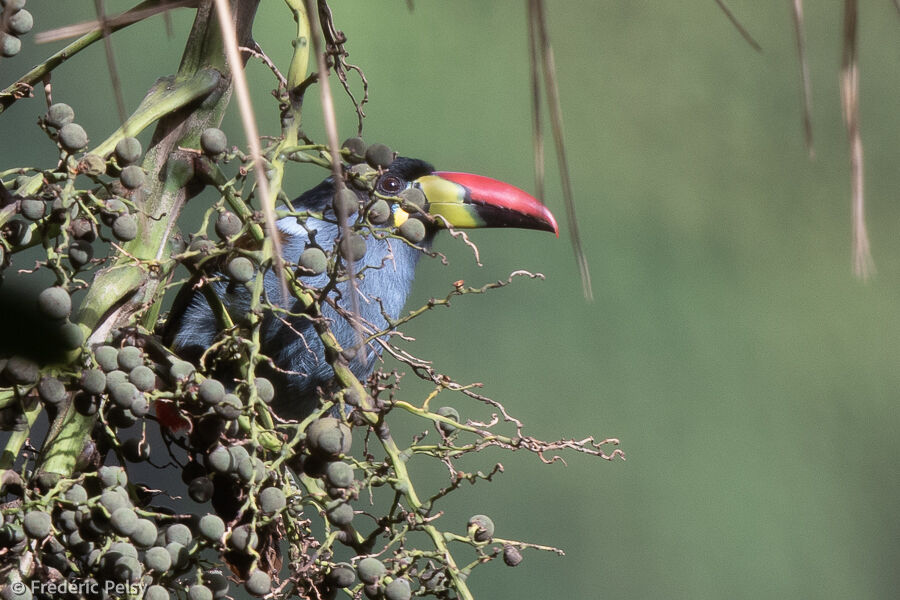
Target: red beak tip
{"points": [[503, 195]]}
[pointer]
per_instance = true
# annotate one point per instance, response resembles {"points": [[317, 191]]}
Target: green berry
{"points": [[76, 494], [52, 390], [128, 150], [357, 148], [20, 231], [36, 524], [136, 449], [10, 45], [353, 246], [228, 225], [370, 570], [413, 230], [112, 209], [55, 303], [243, 538], [329, 436], [314, 261], [12, 6], [180, 533], [21, 370], [59, 114], [511, 556], [220, 460], [449, 412], [379, 156], [72, 137], [114, 498], [130, 357], [340, 514], [341, 575], [107, 358], [181, 370], [339, 474], [32, 209], [132, 177], [71, 336], [230, 407], [259, 583], [156, 591], [199, 592], [80, 253], [201, 489], [157, 559], [20, 23], [238, 455], [143, 378], [211, 391], [66, 521], [93, 381], [481, 528], [123, 520], [124, 394], [271, 500], [127, 569], [264, 389], [413, 200], [114, 378], [213, 141], [140, 408], [240, 269], [211, 527], [92, 165], [398, 589], [112, 476], [345, 202], [379, 212], [363, 173], [179, 554], [125, 228]]}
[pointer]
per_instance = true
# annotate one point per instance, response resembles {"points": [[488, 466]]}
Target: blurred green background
{"points": [[752, 380]]}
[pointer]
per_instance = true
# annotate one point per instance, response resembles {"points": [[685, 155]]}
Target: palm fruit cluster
{"points": [[15, 22], [253, 481], [316, 508]]}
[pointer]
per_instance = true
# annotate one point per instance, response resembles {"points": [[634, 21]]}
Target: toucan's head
{"points": [[459, 200]]}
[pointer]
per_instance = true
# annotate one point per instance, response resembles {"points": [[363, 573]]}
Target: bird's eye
{"points": [[391, 184]]}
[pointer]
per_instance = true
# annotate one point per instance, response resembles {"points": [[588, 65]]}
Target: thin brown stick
{"points": [[328, 115], [248, 120], [111, 60], [537, 124], [806, 88], [556, 123], [119, 21], [737, 25], [863, 265]]}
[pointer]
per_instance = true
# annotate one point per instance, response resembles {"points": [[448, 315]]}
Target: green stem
{"points": [[126, 290], [166, 96]]}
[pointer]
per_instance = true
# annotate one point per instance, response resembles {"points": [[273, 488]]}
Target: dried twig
{"points": [[111, 60], [556, 122], [797, 13], [737, 24], [863, 265], [117, 22], [248, 120]]}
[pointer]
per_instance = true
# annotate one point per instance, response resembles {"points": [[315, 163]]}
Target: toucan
{"points": [[384, 274]]}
